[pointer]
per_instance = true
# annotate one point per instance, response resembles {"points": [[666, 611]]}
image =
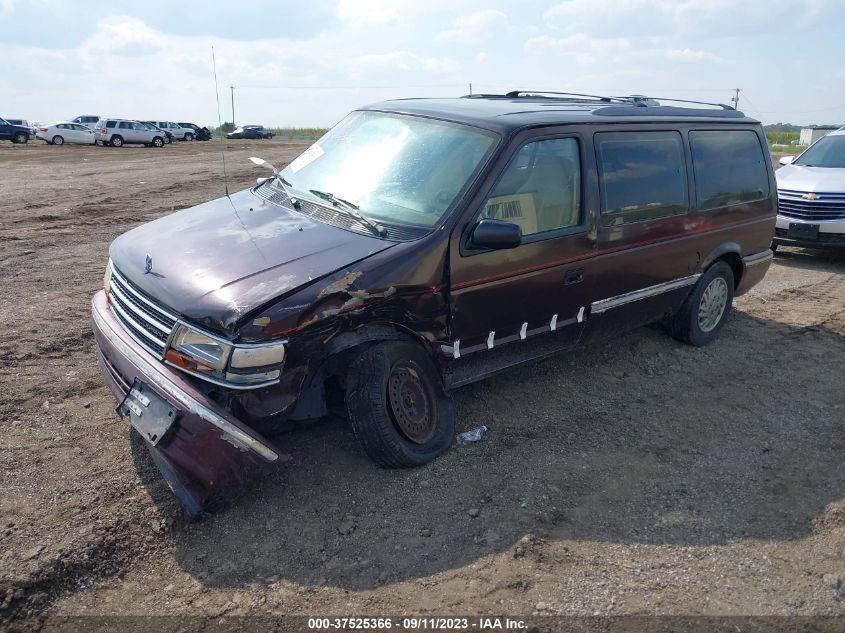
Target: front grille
{"points": [[331, 216], [142, 317], [827, 206]]}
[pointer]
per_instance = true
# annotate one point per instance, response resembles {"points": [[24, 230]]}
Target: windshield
{"points": [[827, 152], [397, 169]]}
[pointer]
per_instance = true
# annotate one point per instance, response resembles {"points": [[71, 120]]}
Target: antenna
{"points": [[220, 125]]}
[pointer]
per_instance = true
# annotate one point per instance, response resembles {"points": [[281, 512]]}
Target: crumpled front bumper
{"points": [[209, 457]]}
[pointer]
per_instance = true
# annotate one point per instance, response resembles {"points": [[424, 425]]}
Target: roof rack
{"points": [[641, 101], [529, 93]]}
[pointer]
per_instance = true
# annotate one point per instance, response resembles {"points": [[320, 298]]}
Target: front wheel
{"points": [[189, 137], [706, 309], [399, 410], [158, 142], [21, 138]]}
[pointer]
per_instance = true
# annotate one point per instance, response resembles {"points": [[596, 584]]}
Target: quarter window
{"points": [[540, 189], [729, 167], [642, 176]]}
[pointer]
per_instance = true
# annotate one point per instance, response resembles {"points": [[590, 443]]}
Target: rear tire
{"points": [[117, 141], [57, 140], [399, 410], [703, 314]]}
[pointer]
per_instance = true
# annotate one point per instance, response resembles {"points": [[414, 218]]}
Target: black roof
{"points": [[505, 113]]}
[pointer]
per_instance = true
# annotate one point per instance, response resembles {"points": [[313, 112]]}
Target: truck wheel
{"points": [[398, 407], [57, 140], [158, 142], [20, 137], [706, 309], [116, 141]]}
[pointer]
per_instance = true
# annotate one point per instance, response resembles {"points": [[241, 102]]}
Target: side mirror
{"points": [[786, 160], [498, 234]]}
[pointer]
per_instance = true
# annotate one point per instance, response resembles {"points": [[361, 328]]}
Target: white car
{"points": [[66, 132], [811, 195], [179, 133]]}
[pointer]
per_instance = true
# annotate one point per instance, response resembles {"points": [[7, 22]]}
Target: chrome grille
{"points": [[827, 206], [144, 320]]}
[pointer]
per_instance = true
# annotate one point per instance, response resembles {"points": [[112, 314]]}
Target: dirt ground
{"points": [[637, 476]]}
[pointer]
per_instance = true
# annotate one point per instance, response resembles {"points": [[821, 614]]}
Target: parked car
{"points": [[15, 133], [200, 133], [61, 133], [119, 132], [418, 246], [250, 131], [21, 122], [179, 133], [88, 120], [168, 135], [811, 195]]}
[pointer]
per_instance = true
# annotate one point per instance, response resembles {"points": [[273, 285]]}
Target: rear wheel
{"points": [[117, 141], [58, 140], [398, 407], [706, 309]]}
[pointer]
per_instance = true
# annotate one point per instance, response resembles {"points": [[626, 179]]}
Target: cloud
{"points": [[586, 50], [405, 60], [360, 13], [478, 26]]}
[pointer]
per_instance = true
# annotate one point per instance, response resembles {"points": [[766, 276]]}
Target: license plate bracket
{"points": [[802, 231], [148, 413]]}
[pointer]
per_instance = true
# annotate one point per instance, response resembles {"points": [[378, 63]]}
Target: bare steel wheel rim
{"points": [[411, 403], [712, 306]]}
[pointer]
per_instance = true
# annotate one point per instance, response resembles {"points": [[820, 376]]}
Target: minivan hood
{"points": [[821, 179], [218, 261]]}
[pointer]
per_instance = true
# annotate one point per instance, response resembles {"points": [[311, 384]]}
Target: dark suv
{"points": [[15, 133], [418, 246]]}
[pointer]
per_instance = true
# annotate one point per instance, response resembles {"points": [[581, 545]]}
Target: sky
{"points": [[304, 64]]}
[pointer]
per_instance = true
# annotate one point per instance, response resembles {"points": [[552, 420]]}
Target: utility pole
{"points": [[735, 99], [232, 88]]}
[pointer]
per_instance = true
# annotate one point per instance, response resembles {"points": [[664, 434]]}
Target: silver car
{"points": [[811, 195], [119, 132]]}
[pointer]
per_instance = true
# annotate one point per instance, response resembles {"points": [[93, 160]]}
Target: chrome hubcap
{"points": [[712, 306]]}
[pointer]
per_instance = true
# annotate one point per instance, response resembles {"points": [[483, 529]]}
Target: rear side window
{"points": [[729, 167], [642, 176], [110, 124]]}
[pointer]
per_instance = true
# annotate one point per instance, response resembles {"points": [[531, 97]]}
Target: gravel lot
{"points": [[638, 476]]}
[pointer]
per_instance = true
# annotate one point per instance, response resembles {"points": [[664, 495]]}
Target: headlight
{"points": [[107, 278], [222, 362]]}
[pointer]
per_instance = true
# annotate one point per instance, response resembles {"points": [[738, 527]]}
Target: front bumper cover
{"points": [[210, 457]]}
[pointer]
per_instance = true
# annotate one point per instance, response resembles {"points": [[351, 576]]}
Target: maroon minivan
{"points": [[418, 246]]}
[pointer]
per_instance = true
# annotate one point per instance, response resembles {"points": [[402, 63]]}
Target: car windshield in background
{"points": [[397, 169], [827, 152]]}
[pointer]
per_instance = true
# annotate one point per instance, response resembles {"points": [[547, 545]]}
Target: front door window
{"points": [[540, 189]]}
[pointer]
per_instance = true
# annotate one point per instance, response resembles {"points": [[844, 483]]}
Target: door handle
{"points": [[573, 276]]}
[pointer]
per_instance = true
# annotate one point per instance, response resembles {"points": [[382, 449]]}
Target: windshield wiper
{"points": [[350, 209]]}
